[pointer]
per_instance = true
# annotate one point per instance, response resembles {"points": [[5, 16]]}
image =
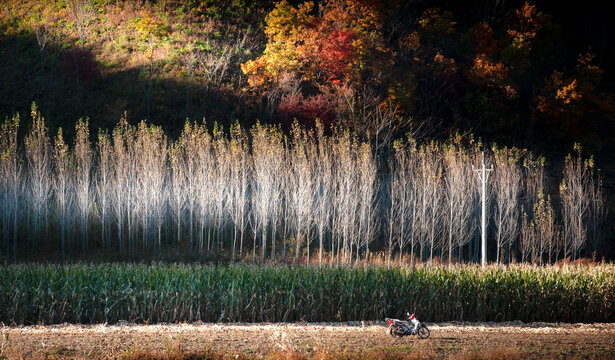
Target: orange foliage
{"points": [[327, 50], [568, 94], [486, 72], [525, 23], [484, 40], [445, 66]]}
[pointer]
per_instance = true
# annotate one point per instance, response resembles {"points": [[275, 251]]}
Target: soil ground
{"points": [[364, 340]]}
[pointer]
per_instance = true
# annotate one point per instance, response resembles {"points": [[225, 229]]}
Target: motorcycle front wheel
{"points": [[423, 332]]}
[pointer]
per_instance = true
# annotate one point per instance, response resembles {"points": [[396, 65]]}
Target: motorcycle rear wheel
{"points": [[391, 331]]}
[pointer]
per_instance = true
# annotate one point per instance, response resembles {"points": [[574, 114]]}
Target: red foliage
{"points": [[336, 54], [306, 110]]}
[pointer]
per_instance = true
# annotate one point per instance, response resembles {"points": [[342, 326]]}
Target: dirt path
{"points": [[448, 340]]}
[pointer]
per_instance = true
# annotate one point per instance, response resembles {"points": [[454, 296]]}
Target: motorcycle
{"points": [[399, 328]]}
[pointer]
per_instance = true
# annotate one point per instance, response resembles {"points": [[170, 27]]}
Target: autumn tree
{"points": [[333, 48], [572, 105]]}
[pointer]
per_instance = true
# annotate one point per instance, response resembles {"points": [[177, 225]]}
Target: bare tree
{"points": [[151, 166], [324, 180], [10, 180], [533, 192], [431, 201], [83, 183], [268, 156], [82, 12], [193, 141], [392, 214], [62, 184], [291, 191], [240, 172], [348, 195], [368, 184], [507, 187], [42, 30], [545, 230], [402, 201], [39, 171], [103, 185], [597, 207], [204, 165], [302, 185], [120, 177], [460, 196], [221, 185], [177, 188], [363, 110], [576, 197]]}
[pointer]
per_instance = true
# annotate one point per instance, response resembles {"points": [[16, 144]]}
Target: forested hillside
{"points": [[341, 126]]}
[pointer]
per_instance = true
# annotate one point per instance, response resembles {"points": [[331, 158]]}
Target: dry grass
{"points": [[307, 342]]}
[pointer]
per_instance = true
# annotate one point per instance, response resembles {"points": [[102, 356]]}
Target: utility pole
{"points": [[483, 176]]}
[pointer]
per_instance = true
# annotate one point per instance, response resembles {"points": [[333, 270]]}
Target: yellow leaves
{"points": [[520, 43], [287, 21], [568, 94], [559, 94], [254, 69], [149, 27], [286, 30], [362, 16]]}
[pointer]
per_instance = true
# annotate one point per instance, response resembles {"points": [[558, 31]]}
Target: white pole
{"points": [[483, 175]]}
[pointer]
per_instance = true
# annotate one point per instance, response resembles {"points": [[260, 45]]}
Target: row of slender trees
{"points": [[268, 195]]}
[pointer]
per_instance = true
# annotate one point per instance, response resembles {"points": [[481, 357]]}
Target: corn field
{"points": [[264, 194], [37, 294]]}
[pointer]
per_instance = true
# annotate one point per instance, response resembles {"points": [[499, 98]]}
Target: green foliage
{"points": [[33, 294]]}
